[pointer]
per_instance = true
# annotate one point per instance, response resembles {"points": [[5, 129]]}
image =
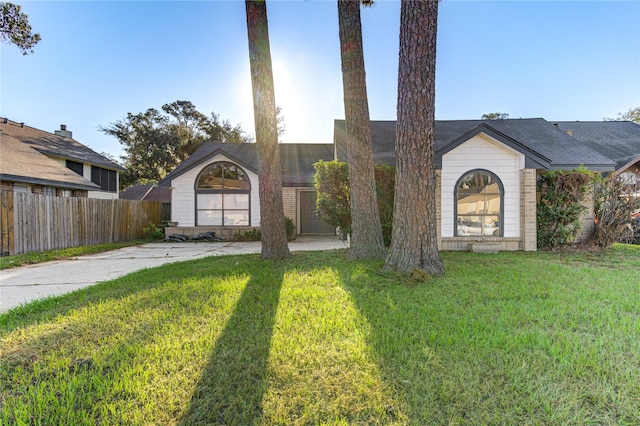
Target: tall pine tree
{"points": [[414, 242], [272, 222], [366, 231]]}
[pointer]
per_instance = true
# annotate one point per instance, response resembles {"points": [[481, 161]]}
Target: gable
{"points": [[483, 139], [296, 160], [483, 149]]}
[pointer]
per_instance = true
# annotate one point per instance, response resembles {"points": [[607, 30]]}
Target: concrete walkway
{"points": [[31, 282]]}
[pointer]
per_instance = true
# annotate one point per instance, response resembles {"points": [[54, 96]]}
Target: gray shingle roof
{"points": [[135, 192], [146, 193], [618, 141], [21, 163], [296, 160], [56, 145], [544, 143]]}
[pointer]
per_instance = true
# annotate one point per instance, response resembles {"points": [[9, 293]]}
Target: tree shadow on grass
{"points": [[133, 284], [398, 338], [233, 382]]}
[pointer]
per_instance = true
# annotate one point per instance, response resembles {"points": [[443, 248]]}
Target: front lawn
{"points": [[512, 338]]}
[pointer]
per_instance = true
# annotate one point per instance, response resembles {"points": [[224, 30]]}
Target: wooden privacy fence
{"points": [[33, 222]]}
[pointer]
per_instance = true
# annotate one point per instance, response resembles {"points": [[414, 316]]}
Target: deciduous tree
{"points": [[15, 28], [495, 116], [155, 142], [366, 232], [632, 115], [414, 238], [272, 222]]}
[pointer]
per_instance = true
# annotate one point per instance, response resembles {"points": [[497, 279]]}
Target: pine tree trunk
{"points": [[272, 223], [366, 231], [414, 241]]}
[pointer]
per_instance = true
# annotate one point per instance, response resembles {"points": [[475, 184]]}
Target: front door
{"points": [[310, 222]]}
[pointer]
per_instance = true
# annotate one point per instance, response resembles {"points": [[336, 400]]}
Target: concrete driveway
{"points": [[31, 282]]}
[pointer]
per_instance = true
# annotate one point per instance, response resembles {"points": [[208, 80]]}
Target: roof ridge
{"points": [[23, 125]]}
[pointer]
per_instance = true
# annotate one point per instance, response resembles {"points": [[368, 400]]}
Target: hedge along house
{"points": [[486, 176], [216, 189]]}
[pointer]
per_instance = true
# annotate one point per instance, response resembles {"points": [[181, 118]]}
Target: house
{"points": [[32, 160], [216, 189], [486, 186]]}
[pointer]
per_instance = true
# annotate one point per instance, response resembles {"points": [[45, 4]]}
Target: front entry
{"points": [[310, 222]]}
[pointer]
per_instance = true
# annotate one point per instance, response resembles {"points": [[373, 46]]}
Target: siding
{"points": [[183, 202], [483, 152], [86, 173], [103, 195]]}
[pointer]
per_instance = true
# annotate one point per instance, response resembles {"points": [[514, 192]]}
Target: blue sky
{"points": [[99, 60]]}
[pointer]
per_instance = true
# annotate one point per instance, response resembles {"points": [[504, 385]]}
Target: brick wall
{"points": [[528, 223], [587, 218], [289, 201], [439, 206]]}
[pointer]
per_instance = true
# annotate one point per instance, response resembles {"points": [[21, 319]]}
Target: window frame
{"points": [[106, 179], [75, 166], [500, 214], [222, 191]]}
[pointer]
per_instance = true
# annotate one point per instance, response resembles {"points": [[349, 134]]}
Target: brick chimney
{"points": [[63, 131]]}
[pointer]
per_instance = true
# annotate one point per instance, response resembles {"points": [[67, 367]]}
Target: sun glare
{"points": [[287, 95]]}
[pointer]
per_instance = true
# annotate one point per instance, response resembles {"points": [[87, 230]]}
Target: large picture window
{"points": [[479, 204], [222, 196]]}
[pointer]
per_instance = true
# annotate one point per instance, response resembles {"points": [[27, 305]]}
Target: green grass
{"points": [[511, 338], [30, 258]]}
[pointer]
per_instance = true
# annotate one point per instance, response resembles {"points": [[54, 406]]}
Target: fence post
{"points": [[6, 224]]}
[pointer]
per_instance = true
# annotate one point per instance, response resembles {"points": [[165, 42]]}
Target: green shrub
{"points": [[560, 197], [153, 232], [291, 229], [333, 203], [252, 235], [385, 187]]}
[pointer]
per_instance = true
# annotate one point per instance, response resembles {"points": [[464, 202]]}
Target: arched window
{"points": [[479, 204], [222, 195]]}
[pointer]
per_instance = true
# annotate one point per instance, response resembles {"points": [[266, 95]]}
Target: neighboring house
{"points": [[486, 186], [55, 164], [147, 193]]}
